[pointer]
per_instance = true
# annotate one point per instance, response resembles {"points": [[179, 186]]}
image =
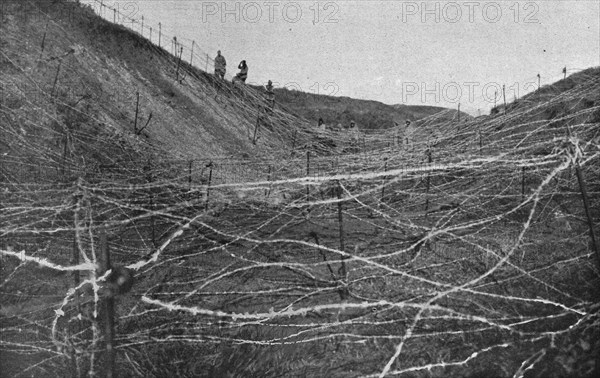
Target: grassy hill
{"points": [[368, 115]]}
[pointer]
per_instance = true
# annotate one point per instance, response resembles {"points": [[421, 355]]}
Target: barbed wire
{"points": [[467, 248]]}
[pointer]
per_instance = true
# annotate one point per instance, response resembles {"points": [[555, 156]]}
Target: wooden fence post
{"points": [[190, 175], [588, 214], [522, 183], [74, 262], [55, 78], [152, 221], [428, 182], [269, 178], [364, 143], [178, 64], [504, 95], [384, 178], [256, 126], [586, 204], [294, 142], [76, 325], [109, 304], [149, 179], [137, 107], [495, 99], [210, 166], [146, 125], [43, 40], [307, 174], [192, 53], [342, 271], [65, 151]]}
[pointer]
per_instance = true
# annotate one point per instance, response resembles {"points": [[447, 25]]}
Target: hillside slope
{"points": [[63, 65]]}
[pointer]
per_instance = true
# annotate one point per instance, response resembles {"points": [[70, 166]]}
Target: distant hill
{"points": [[368, 114]]}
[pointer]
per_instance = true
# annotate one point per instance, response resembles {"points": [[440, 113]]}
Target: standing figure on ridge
{"points": [[220, 65], [243, 74], [321, 125], [354, 132], [270, 95]]}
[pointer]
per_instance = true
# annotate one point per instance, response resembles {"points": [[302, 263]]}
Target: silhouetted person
{"points": [[321, 125], [220, 65], [243, 74], [354, 132], [270, 94]]}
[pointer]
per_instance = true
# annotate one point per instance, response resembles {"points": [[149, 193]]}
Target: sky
{"points": [[438, 53]]}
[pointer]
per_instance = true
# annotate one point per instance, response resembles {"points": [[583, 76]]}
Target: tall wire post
{"points": [[523, 184], [55, 78], [109, 304], [256, 126], [137, 107], [364, 143], [75, 262], [210, 166], [504, 95], [65, 151], [178, 64], [159, 33], [384, 178], [149, 180], [294, 142], [43, 40], [192, 53], [307, 174], [190, 175], [269, 178], [342, 271], [206, 69], [428, 182], [586, 203], [495, 98], [77, 197]]}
